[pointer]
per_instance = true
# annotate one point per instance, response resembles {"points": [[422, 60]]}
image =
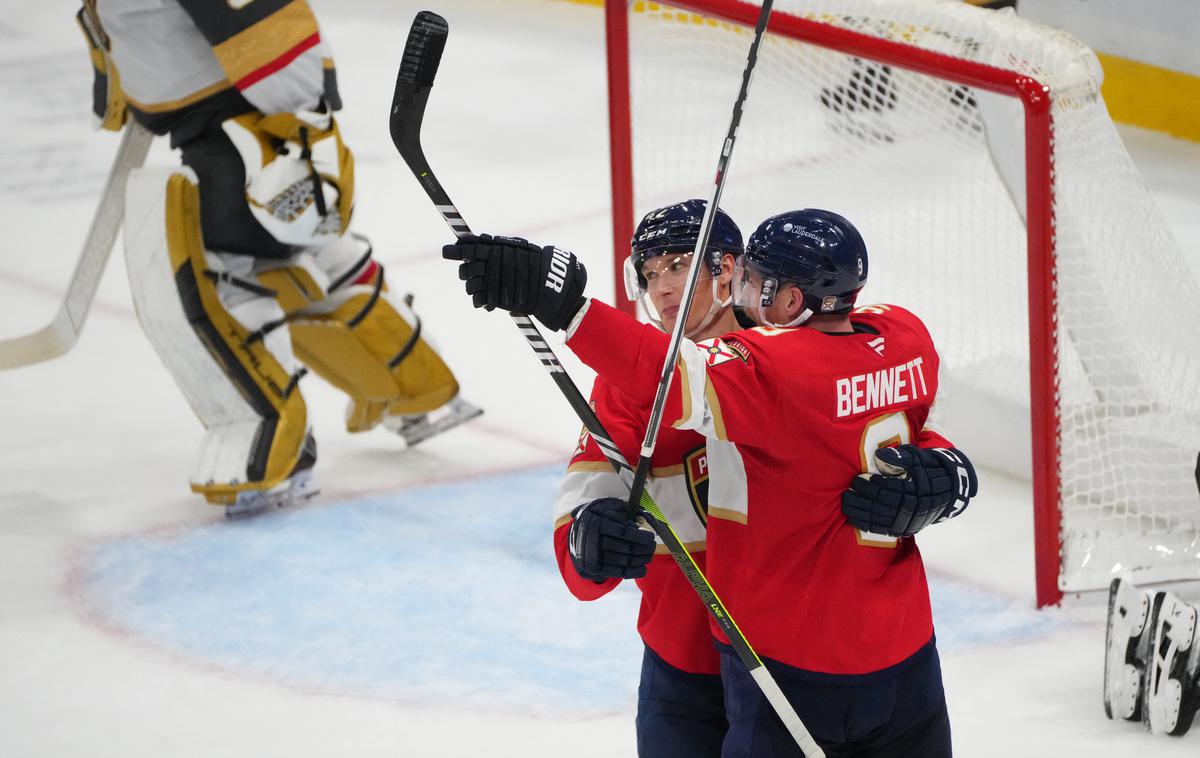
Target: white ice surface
{"points": [[414, 609]]}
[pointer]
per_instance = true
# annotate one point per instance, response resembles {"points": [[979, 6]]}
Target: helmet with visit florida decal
{"points": [[819, 251]]}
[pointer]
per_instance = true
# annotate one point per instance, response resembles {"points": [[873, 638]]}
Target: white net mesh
{"points": [[906, 157]]}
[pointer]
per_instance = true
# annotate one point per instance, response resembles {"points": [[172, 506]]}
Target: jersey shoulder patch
{"points": [[718, 350]]}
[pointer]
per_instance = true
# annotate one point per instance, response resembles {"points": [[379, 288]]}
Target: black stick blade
{"points": [[423, 51], [422, 55]]}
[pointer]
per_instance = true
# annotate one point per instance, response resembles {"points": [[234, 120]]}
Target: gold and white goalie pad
{"points": [[214, 335], [347, 326]]}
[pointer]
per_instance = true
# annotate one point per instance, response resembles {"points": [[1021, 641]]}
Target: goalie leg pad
{"points": [[371, 348], [215, 335], [1171, 691], [1127, 645]]}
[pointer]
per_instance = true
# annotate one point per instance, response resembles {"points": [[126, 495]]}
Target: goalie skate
{"points": [[1171, 691], [1127, 645], [417, 429], [296, 489]]}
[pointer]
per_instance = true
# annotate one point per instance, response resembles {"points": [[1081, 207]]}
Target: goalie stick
{"points": [[60, 335], [418, 67]]}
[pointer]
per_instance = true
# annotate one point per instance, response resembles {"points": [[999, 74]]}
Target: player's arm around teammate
{"points": [[839, 613]]}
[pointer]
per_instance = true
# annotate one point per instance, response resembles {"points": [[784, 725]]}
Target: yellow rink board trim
{"points": [[1151, 97], [1137, 93]]}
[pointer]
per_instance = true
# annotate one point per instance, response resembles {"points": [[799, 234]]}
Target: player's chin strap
{"points": [[765, 300], [764, 321], [715, 308]]}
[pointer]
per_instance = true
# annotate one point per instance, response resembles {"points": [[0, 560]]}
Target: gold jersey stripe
{"points": [[685, 390], [186, 100], [266, 41], [665, 471], [726, 515], [599, 467], [714, 405]]}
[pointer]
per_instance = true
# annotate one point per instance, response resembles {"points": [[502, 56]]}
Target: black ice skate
{"points": [[1171, 692], [1127, 645], [296, 489]]}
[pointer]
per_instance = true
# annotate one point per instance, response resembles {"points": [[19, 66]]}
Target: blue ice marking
{"points": [[445, 594]]}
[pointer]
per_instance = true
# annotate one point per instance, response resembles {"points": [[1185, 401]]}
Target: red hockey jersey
{"points": [[672, 620], [791, 416]]}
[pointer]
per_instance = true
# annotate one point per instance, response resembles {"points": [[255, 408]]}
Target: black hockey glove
{"points": [[514, 275], [916, 487], [604, 541]]}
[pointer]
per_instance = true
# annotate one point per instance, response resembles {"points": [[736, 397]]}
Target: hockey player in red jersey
{"points": [[681, 711], [242, 264], [827, 585]]}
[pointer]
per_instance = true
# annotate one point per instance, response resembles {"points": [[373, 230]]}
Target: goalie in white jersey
{"points": [[241, 262]]}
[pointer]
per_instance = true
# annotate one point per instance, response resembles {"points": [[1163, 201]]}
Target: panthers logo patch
{"points": [[695, 469]]}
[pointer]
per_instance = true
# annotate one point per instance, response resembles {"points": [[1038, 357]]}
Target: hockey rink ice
{"points": [[414, 608]]}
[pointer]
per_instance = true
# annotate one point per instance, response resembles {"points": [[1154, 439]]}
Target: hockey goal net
{"points": [[975, 153]]}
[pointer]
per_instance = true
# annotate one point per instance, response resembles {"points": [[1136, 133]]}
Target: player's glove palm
{"points": [[916, 487], [604, 541], [514, 275]]}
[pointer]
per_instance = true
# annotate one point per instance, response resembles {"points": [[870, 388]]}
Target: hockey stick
{"points": [[60, 335], [422, 55], [706, 224]]}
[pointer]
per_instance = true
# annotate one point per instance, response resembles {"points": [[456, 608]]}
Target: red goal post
{"points": [[874, 81]]}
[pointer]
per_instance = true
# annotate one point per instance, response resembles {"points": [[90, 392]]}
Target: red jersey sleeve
{"points": [[590, 476], [718, 388]]}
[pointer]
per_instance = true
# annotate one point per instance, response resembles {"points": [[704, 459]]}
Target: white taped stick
{"points": [[60, 335]]}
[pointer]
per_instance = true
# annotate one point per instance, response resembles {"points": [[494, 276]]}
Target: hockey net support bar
{"points": [[616, 36], [1043, 307]]}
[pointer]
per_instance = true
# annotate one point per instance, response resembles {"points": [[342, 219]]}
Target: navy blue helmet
{"points": [[674, 229], [819, 251]]}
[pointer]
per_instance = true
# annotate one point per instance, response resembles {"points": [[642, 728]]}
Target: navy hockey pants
{"points": [[680, 714], [899, 712]]}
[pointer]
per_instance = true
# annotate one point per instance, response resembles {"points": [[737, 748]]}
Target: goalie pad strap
{"points": [[408, 346], [353, 271], [370, 304], [225, 276]]}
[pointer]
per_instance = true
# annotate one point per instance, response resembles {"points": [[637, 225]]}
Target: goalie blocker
{"points": [[233, 331], [1152, 659]]}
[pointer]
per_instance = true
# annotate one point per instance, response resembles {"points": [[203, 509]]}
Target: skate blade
{"points": [[298, 489], [452, 414], [1170, 683], [1124, 661]]}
